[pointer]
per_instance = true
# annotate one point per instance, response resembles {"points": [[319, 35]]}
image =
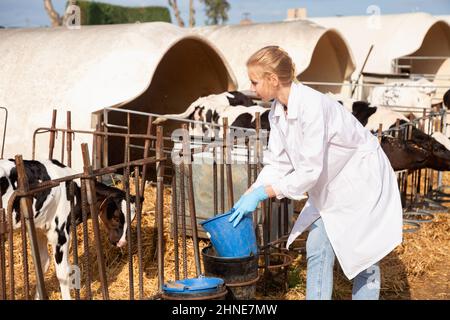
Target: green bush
{"points": [[94, 13]]}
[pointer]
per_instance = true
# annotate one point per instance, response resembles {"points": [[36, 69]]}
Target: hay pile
{"points": [[422, 255]]}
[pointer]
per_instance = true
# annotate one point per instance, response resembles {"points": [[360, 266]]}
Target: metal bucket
{"points": [[240, 274]]}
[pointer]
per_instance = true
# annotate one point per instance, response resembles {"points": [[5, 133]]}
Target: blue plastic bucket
{"points": [[228, 241], [202, 288]]}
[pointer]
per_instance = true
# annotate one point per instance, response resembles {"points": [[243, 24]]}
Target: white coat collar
{"points": [[292, 107]]}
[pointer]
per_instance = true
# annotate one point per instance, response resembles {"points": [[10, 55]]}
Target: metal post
{"points": [[146, 150], [87, 255], [27, 212], [227, 159], [187, 162], [214, 169], [73, 230], [105, 138], [160, 203], [92, 201], [69, 139], [128, 218], [52, 136], [139, 231], [175, 225], [3, 231], [380, 132], [12, 287]]}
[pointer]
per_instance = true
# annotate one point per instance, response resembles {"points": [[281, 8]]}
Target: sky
{"points": [[31, 13]]}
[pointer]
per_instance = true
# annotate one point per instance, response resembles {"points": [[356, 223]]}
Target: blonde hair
{"points": [[273, 59]]}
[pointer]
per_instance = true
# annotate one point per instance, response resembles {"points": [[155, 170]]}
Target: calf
{"points": [[52, 210], [208, 110], [410, 93], [422, 149], [243, 117]]}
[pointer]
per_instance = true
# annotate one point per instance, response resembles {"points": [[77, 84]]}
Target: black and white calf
{"points": [[52, 212], [209, 110], [411, 93]]}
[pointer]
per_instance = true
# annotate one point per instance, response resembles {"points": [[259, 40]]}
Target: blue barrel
{"points": [[194, 288], [229, 241]]}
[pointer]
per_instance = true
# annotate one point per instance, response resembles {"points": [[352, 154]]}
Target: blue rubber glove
{"points": [[247, 204]]}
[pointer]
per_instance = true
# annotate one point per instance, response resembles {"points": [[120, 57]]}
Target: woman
{"points": [[353, 210]]}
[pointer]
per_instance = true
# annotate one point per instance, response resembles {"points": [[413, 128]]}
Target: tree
{"points": [[173, 4], [55, 18], [191, 14], [216, 11]]}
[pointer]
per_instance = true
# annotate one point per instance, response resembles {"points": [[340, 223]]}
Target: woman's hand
{"points": [[247, 204]]}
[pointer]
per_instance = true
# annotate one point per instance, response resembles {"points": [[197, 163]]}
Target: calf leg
{"points": [[43, 251], [43, 254], [59, 238]]}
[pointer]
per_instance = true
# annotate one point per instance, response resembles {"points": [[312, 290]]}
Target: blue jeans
{"points": [[320, 261]]}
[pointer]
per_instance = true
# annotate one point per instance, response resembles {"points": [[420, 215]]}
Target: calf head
{"points": [[113, 213], [437, 155], [112, 206], [404, 154]]}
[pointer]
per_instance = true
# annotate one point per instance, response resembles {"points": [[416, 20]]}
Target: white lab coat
{"points": [[320, 148]]}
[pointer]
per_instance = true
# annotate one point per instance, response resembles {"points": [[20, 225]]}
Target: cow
{"points": [[208, 110], [409, 93], [243, 117], [52, 208], [422, 150]]}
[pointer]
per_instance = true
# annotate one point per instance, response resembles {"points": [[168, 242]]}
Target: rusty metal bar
{"points": [[70, 136], [12, 288], [214, 170], [26, 280], [227, 159], [188, 163], [4, 131], [286, 217], [28, 219], [139, 231], [126, 183], [92, 201], [128, 132], [3, 231], [160, 205], [51, 145], [106, 135], [55, 182], [97, 146], [87, 255], [222, 178], [175, 226], [42, 130], [146, 150], [183, 219], [63, 142], [73, 231], [258, 168], [265, 227], [249, 160], [380, 132]]}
